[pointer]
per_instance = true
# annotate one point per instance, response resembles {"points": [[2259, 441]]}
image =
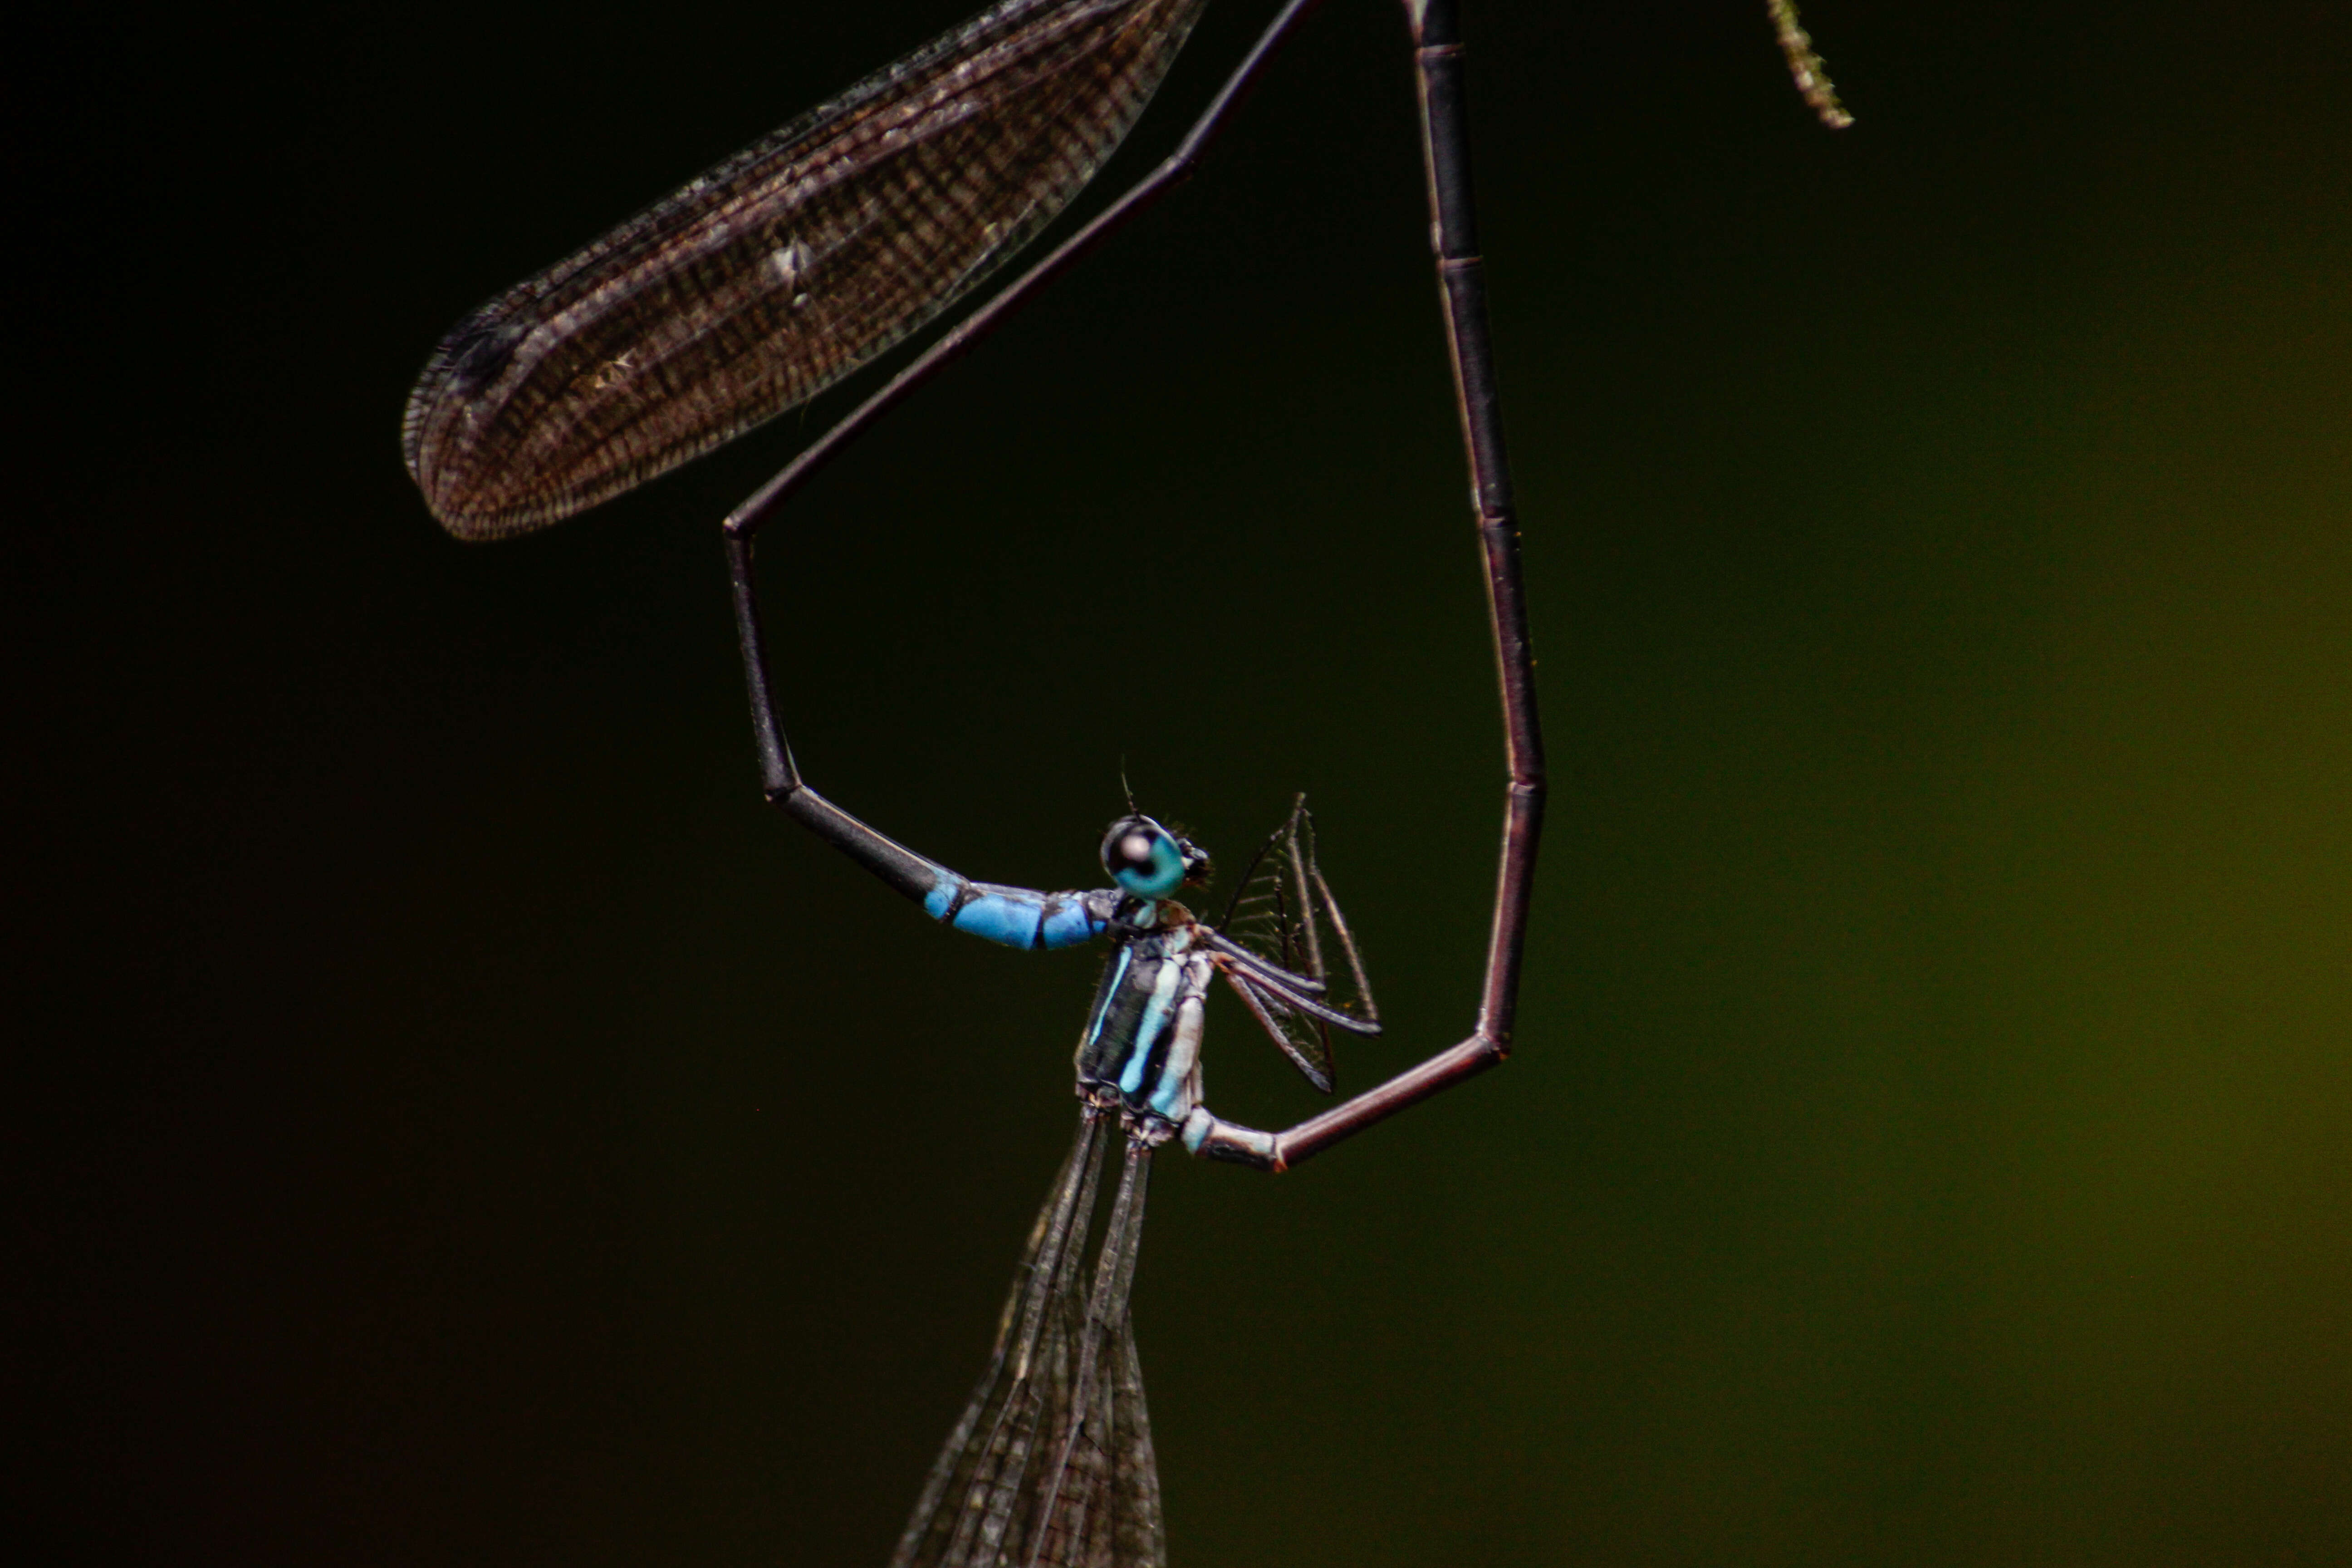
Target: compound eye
{"points": [[1142, 858]]}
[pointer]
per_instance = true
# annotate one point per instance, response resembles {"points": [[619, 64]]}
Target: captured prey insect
{"points": [[781, 271]]}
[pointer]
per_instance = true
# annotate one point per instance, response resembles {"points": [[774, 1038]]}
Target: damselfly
{"points": [[770, 277]]}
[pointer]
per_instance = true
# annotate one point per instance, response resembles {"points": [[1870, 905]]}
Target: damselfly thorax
{"points": [[1140, 1054], [773, 276]]}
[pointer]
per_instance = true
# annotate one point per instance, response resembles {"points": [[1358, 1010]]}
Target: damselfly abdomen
{"points": [[782, 270], [1052, 1462]]}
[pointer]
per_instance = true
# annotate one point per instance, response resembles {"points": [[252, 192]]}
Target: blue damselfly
{"points": [[773, 276]]}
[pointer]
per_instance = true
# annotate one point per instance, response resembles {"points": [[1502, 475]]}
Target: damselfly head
{"points": [[1147, 861]]}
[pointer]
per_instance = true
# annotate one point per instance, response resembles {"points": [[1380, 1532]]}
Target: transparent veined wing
{"points": [[784, 267], [1052, 1464], [1277, 943]]}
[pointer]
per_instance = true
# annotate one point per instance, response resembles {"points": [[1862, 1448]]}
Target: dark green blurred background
{"points": [[460, 1124]]}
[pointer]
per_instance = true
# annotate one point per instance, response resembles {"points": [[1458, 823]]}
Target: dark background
{"points": [[458, 1123]]}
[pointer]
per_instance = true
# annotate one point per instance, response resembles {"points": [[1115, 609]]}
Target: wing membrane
{"points": [[1279, 926], [784, 267], [1100, 1505], [1052, 1464]]}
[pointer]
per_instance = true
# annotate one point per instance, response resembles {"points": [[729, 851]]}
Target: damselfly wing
{"points": [[783, 269], [1282, 910], [779, 272], [1052, 1463]]}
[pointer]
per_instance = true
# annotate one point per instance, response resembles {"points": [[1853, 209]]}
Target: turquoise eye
{"points": [[1142, 858]]}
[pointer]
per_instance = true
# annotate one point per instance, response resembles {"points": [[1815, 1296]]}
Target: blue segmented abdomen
{"points": [[1015, 917]]}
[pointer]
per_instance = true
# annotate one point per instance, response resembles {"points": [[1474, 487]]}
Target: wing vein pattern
{"points": [[1051, 1465], [784, 267]]}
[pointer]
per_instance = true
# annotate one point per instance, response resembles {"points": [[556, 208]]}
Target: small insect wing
{"points": [[1286, 949]]}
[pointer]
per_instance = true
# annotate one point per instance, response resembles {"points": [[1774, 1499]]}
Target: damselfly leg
{"points": [[1438, 70], [786, 267], [783, 270]]}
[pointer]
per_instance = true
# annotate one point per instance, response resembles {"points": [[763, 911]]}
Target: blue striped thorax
{"points": [[1140, 1050]]}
